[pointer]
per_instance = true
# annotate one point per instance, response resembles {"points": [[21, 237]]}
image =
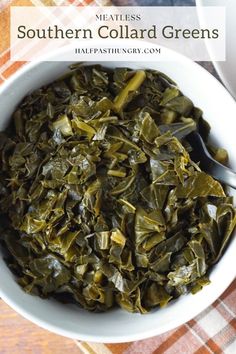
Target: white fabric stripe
{"points": [[83, 349], [102, 3], [59, 2], [204, 313], [227, 308], [97, 348], [38, 3], [6, 65], [231, 349], [4, 52], [213, 323], [4, 4], [75, 3], [82, 2], [199, 338]]}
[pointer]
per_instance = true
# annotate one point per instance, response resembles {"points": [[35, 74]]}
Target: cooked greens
{"points": [[100, 201]]}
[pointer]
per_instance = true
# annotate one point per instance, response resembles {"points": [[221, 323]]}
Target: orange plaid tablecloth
{"points": [[211, 332], [214, 330], [7, 67]]}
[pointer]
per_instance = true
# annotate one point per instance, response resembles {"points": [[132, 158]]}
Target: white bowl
{"points": [[117, 325]]}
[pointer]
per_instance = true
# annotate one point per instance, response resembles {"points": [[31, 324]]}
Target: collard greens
{"points": [[100, 201]]}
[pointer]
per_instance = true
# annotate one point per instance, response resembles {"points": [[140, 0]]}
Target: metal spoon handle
{"points": [[223, 174], [208, 164]]}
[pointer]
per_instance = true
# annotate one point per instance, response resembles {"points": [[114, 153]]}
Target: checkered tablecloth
{"points": [[214, 330], [7, 67], [211, 332]]}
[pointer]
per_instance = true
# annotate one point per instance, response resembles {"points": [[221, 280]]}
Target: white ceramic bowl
{"points": [[117, 325]]}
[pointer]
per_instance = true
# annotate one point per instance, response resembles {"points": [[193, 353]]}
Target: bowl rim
{"points": [[185, 317]]}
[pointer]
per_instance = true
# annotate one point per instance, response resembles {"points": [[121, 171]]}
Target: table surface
{"points": [[18, 335]]}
